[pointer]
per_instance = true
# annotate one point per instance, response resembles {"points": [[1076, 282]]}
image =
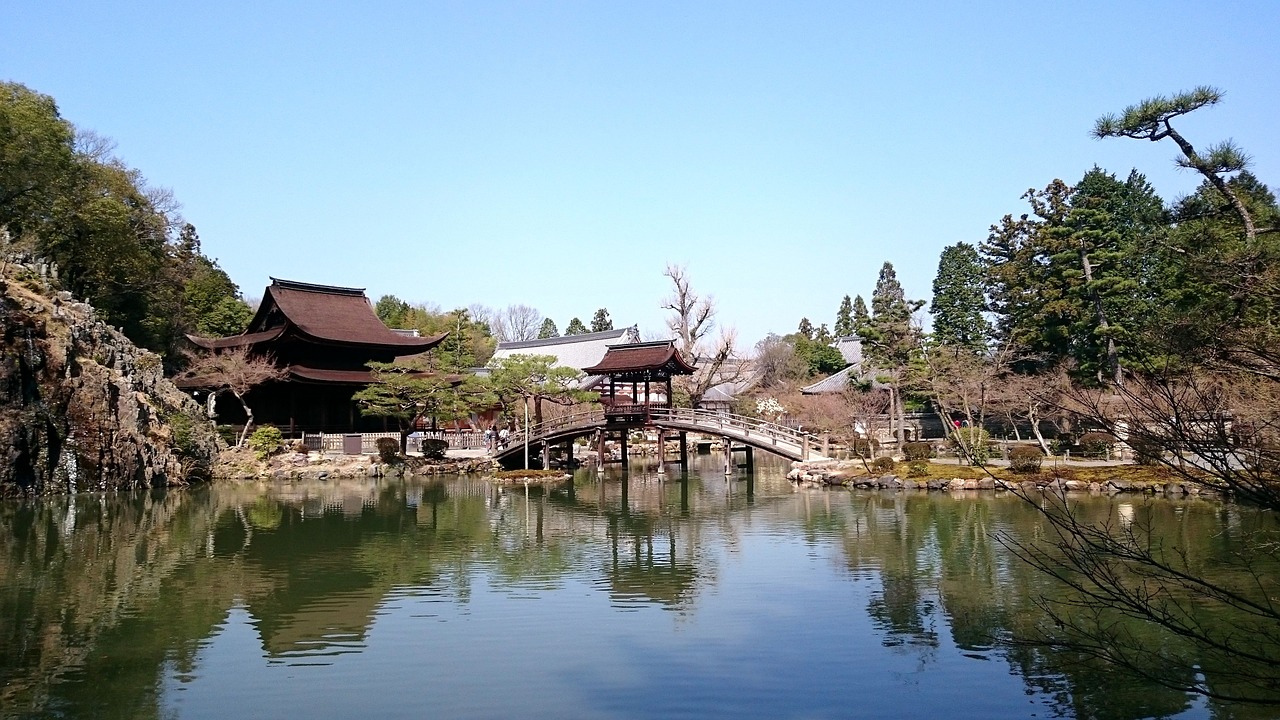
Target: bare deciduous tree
{"points": [[692, 320], [516, 323], [236, 371]]}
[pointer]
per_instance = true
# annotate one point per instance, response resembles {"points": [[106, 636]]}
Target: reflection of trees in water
{"points": [[927, 546], [105, 594]]}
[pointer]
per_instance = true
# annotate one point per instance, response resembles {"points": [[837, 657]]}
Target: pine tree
{"points": [[890, 341], [861, 316], [958, 301], [844, 318], [805, 329], [600, 322], [548, 329], [576, 328]]}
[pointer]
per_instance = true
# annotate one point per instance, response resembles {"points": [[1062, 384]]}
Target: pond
{"points": [[615, 596]]}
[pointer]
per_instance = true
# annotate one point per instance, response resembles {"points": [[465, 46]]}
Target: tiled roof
{"points": [[638, 357], [575, 351], [850, 347], [834, 383]]}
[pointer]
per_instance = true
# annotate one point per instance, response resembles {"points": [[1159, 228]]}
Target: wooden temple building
{"points": [[323, 336]]}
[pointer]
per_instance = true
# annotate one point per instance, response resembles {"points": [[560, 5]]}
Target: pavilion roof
{"points": [[652, 357]]}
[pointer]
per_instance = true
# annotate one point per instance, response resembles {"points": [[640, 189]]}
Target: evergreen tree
{"points": [[861, 316], [600, 322], [958, 301], [890, 341], [805, 329], [844, 318], [548, 329], [576, 328]]}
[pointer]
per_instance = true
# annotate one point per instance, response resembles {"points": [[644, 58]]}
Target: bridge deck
{"points": [[771, 437]]}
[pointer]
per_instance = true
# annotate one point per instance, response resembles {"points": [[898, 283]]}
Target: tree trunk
{"points": [[1113, 355], [1034, 419], [248, 414]]}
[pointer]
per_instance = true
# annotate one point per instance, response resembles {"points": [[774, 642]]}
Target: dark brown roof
{"points": [[639, 357], [236, 340], [334, 314]]}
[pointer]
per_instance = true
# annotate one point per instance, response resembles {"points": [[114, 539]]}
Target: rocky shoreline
{"points": [[243, 464], [852, 474]]}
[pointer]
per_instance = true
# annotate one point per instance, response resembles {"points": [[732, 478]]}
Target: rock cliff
{"points": [[82, 408]]}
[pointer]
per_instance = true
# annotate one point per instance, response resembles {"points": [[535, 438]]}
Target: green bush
{"points": [[265, 441], [1145, 450], [883, 464], [972, 444], [388, 450], [1025, 459], [863, 448], [434, 449], [230, 434], [1095, 444], [917, 451], [918, 468]]}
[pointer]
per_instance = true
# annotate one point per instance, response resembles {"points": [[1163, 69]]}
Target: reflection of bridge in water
{"points": [[618, 420]]}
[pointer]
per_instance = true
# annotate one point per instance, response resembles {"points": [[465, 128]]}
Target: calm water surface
{"points": [[647, 598]]}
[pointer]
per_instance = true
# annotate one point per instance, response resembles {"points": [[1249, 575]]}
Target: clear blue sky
{"points": [[560, 154]]}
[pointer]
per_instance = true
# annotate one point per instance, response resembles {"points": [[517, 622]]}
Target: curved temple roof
{"points": [[655, 358], [323, 313]]}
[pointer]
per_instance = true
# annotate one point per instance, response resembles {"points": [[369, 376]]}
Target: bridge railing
{"points": [[709, 421], [747, 426]]}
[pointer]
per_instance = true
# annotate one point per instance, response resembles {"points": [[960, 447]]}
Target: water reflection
{"points": [[142, 605]]}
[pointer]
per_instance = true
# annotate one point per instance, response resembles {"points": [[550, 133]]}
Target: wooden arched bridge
{"points": [[751, 432]]}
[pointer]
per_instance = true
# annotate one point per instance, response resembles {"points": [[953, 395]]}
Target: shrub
{"points": [[917, 451], [1025, 459], [972, 444], [230, 434], [918, 468], [434, 448], [388, 450], [1095, 444], [265, 441], [883, 464], [1145, 450], [863, 448]]}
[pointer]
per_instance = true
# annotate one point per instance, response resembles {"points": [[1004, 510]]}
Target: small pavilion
{"points": [[323, 336], [646, 369]]}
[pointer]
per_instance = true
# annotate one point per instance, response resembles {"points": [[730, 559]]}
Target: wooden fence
{"points": [[345, 442]]}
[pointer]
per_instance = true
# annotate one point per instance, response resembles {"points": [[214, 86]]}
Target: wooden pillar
{"points": [[751, 458], [662, 448], [568, 454], [600, 450], [684, 450], [622, 447]]}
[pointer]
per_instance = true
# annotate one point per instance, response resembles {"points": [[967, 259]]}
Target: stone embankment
{"points": [[846, 473], [82, 408], [242, 464]]}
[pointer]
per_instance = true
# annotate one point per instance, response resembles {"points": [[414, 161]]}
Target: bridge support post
{"points": [[751, 458], [662, 451], [684, 451], [728, 455], [622, 445], [568, 454], [600, 450]]}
